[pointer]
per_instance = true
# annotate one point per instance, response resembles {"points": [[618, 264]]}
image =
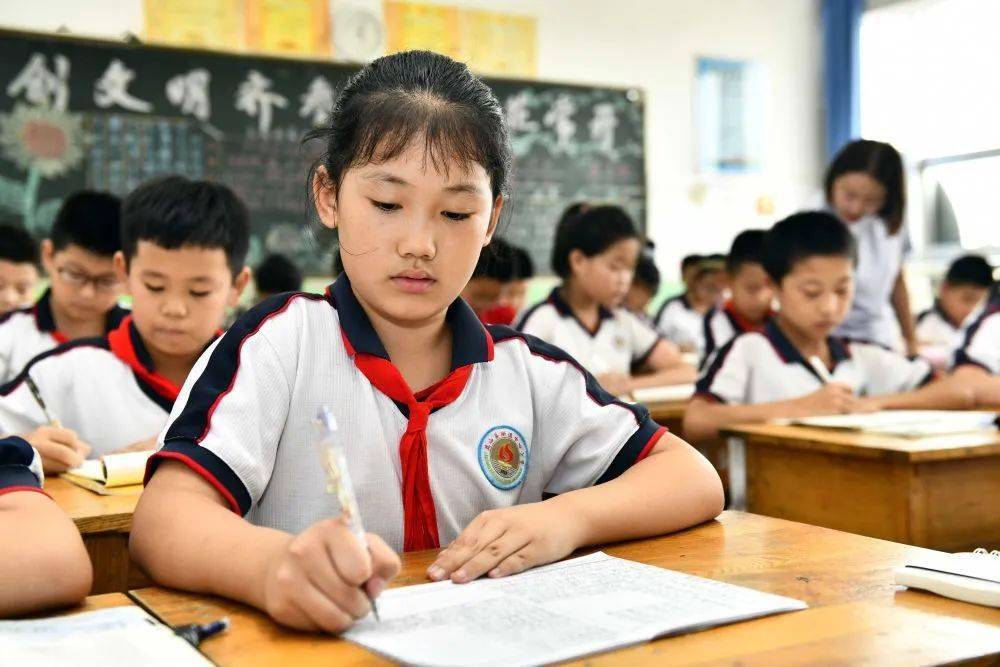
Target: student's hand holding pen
{"points": [[60, 448], [833, 398]]}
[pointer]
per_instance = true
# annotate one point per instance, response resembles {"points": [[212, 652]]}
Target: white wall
{"points": [[651, 44]]}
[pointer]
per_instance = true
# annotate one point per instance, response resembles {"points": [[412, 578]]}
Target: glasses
{"points": [[106, 283]]}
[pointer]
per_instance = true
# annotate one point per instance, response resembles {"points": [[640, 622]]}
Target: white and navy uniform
{"points": [[20, 466], [681, 324], [719, 326], [514, 421], [105, 389], [620, 343], [764, 367], [880, 259], [27, 332], [982, 343], [934, 327]]}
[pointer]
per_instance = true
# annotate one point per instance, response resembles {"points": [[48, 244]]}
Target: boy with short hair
{"points": [[43, 563], [486, 290], [82, 299], [184, 244], [681, 318], [749, 305], [645, 285], [960, 302], [810, 259], [18, 268]]}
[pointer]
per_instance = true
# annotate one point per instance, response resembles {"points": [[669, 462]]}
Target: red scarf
{"points": [[120, 341], [419, 518], [744, 324]]}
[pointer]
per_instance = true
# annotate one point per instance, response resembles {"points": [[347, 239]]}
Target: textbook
{"points": [[574, 608], [970, 577], [112, 474], [119, 636], [904, 423]]}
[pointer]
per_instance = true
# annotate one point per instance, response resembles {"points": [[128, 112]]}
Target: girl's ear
{"points": [[577, 261], [325, 197], [494, 219]]}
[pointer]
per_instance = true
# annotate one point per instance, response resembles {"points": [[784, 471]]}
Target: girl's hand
{"points": [[319, 581], [507, 541]]}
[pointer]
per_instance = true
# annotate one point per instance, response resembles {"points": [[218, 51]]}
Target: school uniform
{"points": [[934, 327], [105, 389], [514, 421], [620, 342], [720, 325], [982, 343], [27, 332], [681, 324], [880, 259], [765, 367], [20, 466]]}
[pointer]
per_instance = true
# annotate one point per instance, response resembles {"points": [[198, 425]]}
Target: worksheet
{"points": [[577, 607]]}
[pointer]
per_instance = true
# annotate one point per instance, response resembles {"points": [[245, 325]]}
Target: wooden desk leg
{"points": [[114, 571]]}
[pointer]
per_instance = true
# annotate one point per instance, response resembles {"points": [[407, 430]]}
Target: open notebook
{"points": [[112, 474], [664, 394], [904, 423], [971, 577]]}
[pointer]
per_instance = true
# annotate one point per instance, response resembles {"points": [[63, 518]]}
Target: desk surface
{"points": [[867, 445], [92, 512], [662, 411], [856, 613]]}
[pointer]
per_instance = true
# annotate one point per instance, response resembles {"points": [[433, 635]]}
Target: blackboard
{"points": [[79, 113]]}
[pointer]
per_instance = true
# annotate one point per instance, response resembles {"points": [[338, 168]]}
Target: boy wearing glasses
{"points": [[82, 300]]}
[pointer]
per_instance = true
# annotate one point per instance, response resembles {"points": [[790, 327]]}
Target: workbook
{"points": [[116, 637], [112, 474], [905, 423], [558, 612]]}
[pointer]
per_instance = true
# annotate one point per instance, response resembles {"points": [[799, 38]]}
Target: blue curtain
{"points": [[842, 71]]}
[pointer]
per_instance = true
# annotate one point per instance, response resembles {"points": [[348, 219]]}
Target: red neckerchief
{"points": [[419, 517], [122, 347], [743, 323]]}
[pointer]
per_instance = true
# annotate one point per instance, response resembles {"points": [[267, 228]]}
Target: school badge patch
{"points": [[503, 457]]}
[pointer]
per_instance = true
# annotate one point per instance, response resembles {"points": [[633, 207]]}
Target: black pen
{"points": [[41, 403], [196, 633]]}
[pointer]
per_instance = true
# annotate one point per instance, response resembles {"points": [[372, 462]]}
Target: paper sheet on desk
{"points": [[125, 636], [905, 423], [577, 607]]}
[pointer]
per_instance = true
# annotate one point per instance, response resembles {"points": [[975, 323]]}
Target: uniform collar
{"points": [[739, 322], [944, 316], [790, 354], [46, 321], [562, 307], [471, 343]]}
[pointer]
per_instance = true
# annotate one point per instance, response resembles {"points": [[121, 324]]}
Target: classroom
{"points": [[499, 332]]}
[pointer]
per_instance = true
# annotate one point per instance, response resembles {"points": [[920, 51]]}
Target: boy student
{"points": [[82, 299], [275, 275], [681, 318], [490, 279], [43, 563], [18, 268], [794, 367], [749, 303], [645, 285], [184, 243], [960, 300], [977, 362], [524, 270]]}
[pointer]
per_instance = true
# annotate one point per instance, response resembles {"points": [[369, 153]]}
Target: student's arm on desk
{"points": [[185, 536], [43, 563], [674, 487], [704, 418], [667, 366], [949, 393], [985, 387]]}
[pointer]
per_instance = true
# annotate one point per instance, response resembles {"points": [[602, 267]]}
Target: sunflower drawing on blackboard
{"points": [[45, 143]]}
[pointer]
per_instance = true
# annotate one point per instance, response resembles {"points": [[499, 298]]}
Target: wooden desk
{"points": [[669, 414], [104, 522], [939, 492], [856, 613]]}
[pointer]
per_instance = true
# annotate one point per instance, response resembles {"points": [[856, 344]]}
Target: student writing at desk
{"points": [[809, 258], [455, 432], [182, 261]]}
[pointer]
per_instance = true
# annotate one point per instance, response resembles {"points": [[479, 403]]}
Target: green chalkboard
{"points": [[78, 113]]}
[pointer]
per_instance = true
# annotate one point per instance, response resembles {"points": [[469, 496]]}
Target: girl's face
{"points": [[855, 195], [410, 235], [606, 277]]}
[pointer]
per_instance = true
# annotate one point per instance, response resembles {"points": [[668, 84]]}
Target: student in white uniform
{"points": [[184, 244], [757, 376], [681, 319], [455, 434], [82, 300], [18, 268], [595, 254], [960, 302], [865, 188], [748, 307], [977, 362], [645, 285], [43, 563]]}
